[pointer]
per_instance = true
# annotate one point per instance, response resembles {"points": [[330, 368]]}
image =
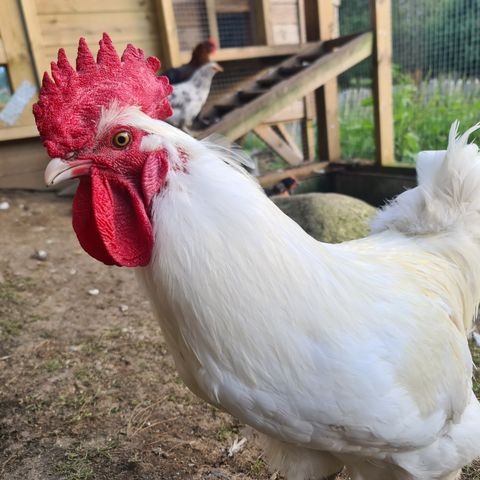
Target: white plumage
{"points": [[352, 354]]}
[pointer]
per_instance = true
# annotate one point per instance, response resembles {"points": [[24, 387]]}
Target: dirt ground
{"points": [[87, 388]]}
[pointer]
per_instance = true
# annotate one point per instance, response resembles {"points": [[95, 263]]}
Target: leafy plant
{"points": [[422, 119]]}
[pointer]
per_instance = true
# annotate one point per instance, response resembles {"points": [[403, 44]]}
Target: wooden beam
{"points": [[328, 66], [30, 16], [326, 98], [261, 22], [3, 53], [22, 164], [19, 131], [244, 53], [299, 173], [283, 131], [307, 122], [382, 81], [212, 20], [302, 21], [279, 145], [168, 34]]}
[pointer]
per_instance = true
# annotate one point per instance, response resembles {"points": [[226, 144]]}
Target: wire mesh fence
{"points": [[235, 24], [436, 56]]}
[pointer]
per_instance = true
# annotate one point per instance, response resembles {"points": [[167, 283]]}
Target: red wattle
{"points": [[111, 222]]}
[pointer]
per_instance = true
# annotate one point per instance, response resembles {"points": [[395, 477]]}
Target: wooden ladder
{"points": [[245, 110]]}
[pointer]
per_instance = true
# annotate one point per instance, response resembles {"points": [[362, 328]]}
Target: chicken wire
{"points": [[234, 19], [436, 71], [193, 27], [234, 27]]}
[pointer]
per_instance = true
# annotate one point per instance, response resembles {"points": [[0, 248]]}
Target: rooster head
{"points": [[81, 118]]}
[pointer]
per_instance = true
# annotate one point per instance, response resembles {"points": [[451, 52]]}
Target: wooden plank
{"points": [[276, 143], [284, 14], [92, 6], [121, 26], [243, 53], [307, 123], [382, 81], [308, 133], [22, 164], [3, 53], [232, 6], [326, 98], [301, 172], [262, 22], [283, 130], [212, 19], [170, 50], [150, 46], [302, 21], [240, 121], [285, 34], [295, 111], [30, 16], [19, 131]]}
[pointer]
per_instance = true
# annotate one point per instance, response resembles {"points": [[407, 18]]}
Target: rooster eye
{"points": [[121, 139]]}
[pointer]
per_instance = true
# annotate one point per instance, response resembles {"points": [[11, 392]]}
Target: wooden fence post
{"points": [[168, 34], [322, 24], [381, 11]]}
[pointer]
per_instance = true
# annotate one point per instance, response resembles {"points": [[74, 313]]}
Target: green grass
{"points": [[79, 463]]}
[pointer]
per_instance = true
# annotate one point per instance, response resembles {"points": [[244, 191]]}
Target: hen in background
{"points": [[188, 98], [284, 187], [200, 56]]}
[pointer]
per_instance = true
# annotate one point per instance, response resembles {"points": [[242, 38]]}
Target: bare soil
{"points": [[87, 388]]}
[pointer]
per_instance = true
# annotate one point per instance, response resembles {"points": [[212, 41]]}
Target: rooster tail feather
{"points": [[443, 214], [447, 198]]}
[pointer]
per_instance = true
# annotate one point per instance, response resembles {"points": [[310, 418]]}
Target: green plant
{"points": [[421, 120]]}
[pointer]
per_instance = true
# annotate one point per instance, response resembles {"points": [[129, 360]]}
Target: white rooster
{"points": [[352, 354]]}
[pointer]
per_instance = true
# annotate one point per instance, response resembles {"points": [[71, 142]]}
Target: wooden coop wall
{"points": [[54, 24]]}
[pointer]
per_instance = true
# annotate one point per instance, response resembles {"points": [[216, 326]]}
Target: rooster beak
{"points": [[218, 68], [59, 170]]}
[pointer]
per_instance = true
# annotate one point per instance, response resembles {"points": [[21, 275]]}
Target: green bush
{"points": [[421, 121]]}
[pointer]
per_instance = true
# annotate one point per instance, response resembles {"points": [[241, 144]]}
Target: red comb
{"points": [[69, 106], [212, 43]]}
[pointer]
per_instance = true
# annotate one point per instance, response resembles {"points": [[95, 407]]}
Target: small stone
{"points": [[123, 308], [4, 205], [72, 271], [74, 348], [41, 255], [94, 292]]}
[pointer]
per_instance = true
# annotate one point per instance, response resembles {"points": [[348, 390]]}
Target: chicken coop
{"points": [[281, 59]]}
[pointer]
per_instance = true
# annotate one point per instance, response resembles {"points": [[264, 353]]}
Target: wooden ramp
{"points": [[240, 112]]}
